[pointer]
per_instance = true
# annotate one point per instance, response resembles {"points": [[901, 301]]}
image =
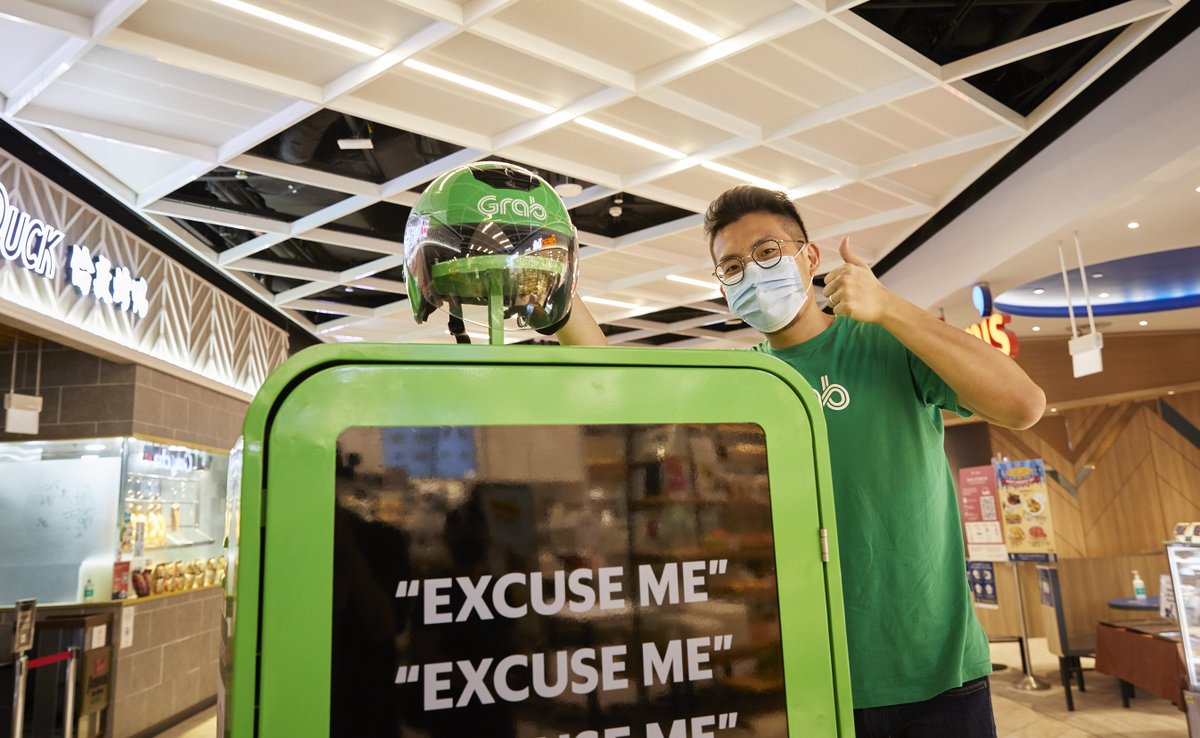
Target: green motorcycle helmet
{"points": [[491, 231]]}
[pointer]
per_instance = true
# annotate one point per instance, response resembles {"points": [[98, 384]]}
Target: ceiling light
{"points": [[94, 447], [1037, 328], [1097, 275], [347, 289], [1143, 323], [1053, 409], [1198, 189], [610, 303], [1103, 295], [629, 137], [689, 280], [347, 144], [1133, 224], [569, 189], [478, 86], [1039, 290], [672, 20], [1171, 392], [743, 176], [298, 25]]}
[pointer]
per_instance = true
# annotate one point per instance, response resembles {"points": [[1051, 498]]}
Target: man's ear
{"points": [[723, 295], [813, 258]]}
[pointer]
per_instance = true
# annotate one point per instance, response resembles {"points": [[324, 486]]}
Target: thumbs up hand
{"points": [[853, 291]]}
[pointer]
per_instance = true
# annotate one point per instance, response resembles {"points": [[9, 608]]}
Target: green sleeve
{"points": [[931, 388]]}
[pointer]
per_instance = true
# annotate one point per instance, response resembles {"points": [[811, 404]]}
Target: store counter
{"points": [[165, 654]]}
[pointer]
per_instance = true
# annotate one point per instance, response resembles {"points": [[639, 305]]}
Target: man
{"points": [[885, 369]]}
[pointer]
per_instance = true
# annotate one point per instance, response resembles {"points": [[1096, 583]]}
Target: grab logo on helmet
{"points": [[491, 205]]}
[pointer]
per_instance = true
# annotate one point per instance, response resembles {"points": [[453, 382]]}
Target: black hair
{"points": [[737, 202]]}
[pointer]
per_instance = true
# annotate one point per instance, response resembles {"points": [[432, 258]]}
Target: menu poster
{"points": [[1025, 507], [981, 575], [121, 580], [979, 508]]}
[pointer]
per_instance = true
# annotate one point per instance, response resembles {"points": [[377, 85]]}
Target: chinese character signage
{"points": [[978, 505], [109, 284], [1025, 505]]}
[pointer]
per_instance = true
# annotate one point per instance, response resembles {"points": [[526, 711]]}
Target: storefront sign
{"points": [[81, 276], [28, 240], [981, 575], [23, 630], [108, 284], [1028, 527], [978, 505], [991, 330]]}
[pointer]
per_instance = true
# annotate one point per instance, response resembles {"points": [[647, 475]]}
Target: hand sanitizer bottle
{"points": [[1139, 587]]}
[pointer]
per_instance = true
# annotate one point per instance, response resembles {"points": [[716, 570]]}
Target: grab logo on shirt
{"points": [[833, 396]]}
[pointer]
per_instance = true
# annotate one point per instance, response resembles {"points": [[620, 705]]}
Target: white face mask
{"points": [[769, 299]]}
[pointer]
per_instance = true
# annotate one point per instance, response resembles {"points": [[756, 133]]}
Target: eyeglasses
{"points": [[766, 253]]}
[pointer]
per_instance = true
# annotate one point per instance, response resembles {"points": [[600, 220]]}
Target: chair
{"points": [[1069, 647]]}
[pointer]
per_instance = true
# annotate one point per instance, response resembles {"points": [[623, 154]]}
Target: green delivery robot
{"points": [[530, 541]]}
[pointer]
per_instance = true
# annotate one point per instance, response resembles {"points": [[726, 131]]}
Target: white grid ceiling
{"points": [[867, 136]]}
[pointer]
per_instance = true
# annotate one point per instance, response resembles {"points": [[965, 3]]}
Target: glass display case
{"points": [[1184, 560], [70, 509]]}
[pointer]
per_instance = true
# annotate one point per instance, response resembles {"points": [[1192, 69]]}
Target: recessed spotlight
{"points": [[1198, 189], [1103, 295], [347, 289], [1171, 392], [1097, 275], [1053, 409], [1133, 225], [94, 447], [1143, 322], [1036, 328], [1039, 291]]}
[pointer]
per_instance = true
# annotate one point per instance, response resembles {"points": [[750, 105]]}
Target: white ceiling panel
{"points": [[938, 177], [25, 47], [602, 29], [821, 98], [136, 166], [208, 27]]}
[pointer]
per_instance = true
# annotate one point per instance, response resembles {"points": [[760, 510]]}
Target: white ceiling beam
{"points": [[590, 194], [172, 181], [778, 25], [1096, 66], [303, 175], [850, 106], [554, 163], [870, 221], [729, 147], [890, 46], [1052, 38], [371, 268], [40, 14], [330, 326], [892, 187], [549, 51], [228, 258], [669, 228], [444, 10], [280, 269], [217, 216], [479, 10], [62, 121], [713, 116], [66, 152], [426, 38], [264, 129], [669, 197], [813, 155], [53, 66], [943, 150], [332, 308], [824, 184], [587, 104], [300, 292], [330, 213], [595, 239], [987, 104], [354, 240], [183, 57], [701, 262], [377, 284], [429, 171], [409, 121]]}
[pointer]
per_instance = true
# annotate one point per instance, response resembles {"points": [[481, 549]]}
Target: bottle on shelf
{"points": [[1139, 587], [89, 590]]}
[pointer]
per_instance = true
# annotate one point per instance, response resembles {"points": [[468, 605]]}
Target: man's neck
{"points": [[809, 324]]}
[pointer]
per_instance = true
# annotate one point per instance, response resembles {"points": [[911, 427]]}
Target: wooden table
{"points": [[1143, 653]]}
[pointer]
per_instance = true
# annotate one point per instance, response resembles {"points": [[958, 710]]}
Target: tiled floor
{"points": [[1098, 712]]}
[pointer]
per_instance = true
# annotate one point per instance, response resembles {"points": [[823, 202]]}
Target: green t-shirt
{"points": [[911, 630]]}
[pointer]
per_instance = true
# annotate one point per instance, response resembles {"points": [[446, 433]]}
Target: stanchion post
{"points": [[18, 715], [1029, 683], [69, 700]]}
